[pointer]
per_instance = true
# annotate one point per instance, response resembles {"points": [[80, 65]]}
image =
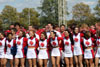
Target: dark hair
{"points": [[54, 33], [70, 36], [23, 33], [67, 30], [36, 27], [86, 34], [44, 34], [73, 26], [74, 29], [3, 33], [8, 35], [55, 26], [17, 24], [62, 25]]}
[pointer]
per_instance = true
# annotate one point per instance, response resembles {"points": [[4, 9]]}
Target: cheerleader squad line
{"points": [[50, 46]]}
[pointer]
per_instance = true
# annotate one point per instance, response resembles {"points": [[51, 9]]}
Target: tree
{"points": [[82, 14], [49, 12], [1, 24], [9, 14], [29, 14], [97, 10]]}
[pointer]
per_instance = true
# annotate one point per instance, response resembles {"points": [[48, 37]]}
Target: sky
{"points": [[21, 4]]}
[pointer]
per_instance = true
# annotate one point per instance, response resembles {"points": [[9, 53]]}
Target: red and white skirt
{"points": [[2, 54], [55, 52], [77, 50], [98, 53], [88, 54], [19, 54], [31, 53], [43, 54]]}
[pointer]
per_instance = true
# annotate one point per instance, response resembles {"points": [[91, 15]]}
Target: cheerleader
{"points": [[43, 50], [9, 44], [68, 54], [88, 52], [2, 50], [56, 47], [21, 42], [97, 56], [77, 47], [32, 46]]}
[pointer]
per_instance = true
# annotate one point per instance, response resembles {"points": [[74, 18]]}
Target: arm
{"points": [[60, 40]]}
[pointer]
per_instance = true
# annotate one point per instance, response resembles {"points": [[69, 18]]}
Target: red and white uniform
{"points": [[2, 48], [43, 49], [32, 46], [77, 44], [88, 52], [56, 47], [67, 47], [9, 45], [21, 43], [98, 48]]}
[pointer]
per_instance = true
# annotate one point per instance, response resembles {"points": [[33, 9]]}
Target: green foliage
{"points": [[0, 23], [97, 11], [24, 17], [49, 12], [9, 15], [82, 14]]}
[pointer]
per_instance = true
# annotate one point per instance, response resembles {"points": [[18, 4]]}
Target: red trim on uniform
{"points": [[67, 37], [48, 54], [48, 45], [0, 44], [24, 44], [14, 42], [81, 34], [37, 43], [82, 49], [5, 46], [93, 40], [31, 38], [81, 40], [92, 53]]}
